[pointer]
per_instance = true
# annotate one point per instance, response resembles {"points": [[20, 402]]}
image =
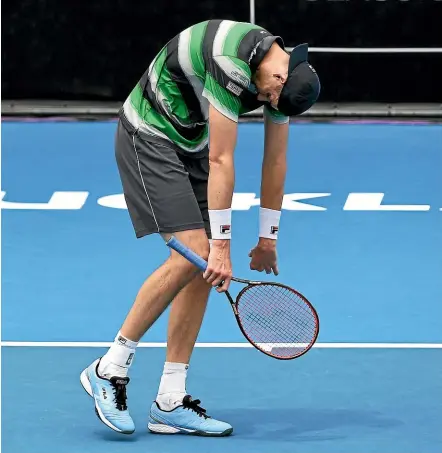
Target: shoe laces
{"points": [[194, 405], [119, 388]]}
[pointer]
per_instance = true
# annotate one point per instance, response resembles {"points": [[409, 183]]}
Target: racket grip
{"points": [[190, 255]]}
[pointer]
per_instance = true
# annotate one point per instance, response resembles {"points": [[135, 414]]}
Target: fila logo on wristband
{"points": [[221, 223], [269, 223]]}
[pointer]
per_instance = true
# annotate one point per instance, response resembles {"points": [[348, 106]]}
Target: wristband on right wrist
{"points": [[221, 223]]}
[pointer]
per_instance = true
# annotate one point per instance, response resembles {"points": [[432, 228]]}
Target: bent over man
{"points": [[174, 148]]}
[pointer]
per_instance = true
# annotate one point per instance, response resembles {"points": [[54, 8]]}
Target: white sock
{"points": [[118, 359], [172, 388]]}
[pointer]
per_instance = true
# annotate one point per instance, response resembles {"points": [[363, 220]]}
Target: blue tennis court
{"points": [[361, 236]]}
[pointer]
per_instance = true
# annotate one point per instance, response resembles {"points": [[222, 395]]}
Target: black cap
{"points": [[302, 87]]}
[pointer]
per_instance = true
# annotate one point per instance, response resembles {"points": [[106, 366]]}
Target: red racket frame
{"points": [[235, 304]]}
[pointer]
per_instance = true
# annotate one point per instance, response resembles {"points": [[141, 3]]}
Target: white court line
{"points": [[104, 344]]}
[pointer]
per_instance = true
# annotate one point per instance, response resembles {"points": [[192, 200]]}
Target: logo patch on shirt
{"points": [[235, 89], [240, 78]]}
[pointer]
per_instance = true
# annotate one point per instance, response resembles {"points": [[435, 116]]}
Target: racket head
{"points": [[277, 320]]}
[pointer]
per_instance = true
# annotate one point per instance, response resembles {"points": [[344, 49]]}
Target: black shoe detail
{"points": [[194, 405], [119, 386]]}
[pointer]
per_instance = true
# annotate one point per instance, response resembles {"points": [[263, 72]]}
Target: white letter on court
{"points": [[58, 201], [244, 201], [373, 202], [291, 203], [113, 201]]}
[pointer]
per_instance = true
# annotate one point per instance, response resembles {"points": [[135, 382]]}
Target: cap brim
{"points": [[297, 56]]}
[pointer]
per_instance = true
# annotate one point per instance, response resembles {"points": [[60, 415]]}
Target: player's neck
{"points": [[276, 55], [276, 59]]}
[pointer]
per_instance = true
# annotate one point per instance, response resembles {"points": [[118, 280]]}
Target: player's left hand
{"points": [[264, 257]]}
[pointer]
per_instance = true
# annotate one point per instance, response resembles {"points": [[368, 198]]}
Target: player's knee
{"points": [[201, 248], [198, 242], [204, 249], [200, 245]]}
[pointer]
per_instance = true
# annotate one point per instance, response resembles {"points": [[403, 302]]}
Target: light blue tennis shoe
{"points": [[188, 418], [110, 398]]}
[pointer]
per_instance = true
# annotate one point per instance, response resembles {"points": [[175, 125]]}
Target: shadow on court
{"points": [[303, 424]]}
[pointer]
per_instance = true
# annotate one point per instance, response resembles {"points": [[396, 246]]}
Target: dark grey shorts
{"points": [[165, 191]]}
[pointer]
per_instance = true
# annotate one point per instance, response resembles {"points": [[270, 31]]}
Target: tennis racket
{"points": [[276, 319]]}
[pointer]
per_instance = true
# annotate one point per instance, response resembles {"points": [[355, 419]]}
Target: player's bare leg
{"points": [[163, 285], [186, 317], [174, 411], [106, 379], [185, 320]]}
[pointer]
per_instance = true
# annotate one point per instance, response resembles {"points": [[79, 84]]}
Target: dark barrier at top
{"points": [[354, 23], [97, 50]]}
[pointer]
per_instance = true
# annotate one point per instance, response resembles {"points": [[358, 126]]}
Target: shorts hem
{"points": [[190, 226]]}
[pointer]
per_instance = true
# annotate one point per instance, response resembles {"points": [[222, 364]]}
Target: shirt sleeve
{"points": [[275, 116], [226, 78]]}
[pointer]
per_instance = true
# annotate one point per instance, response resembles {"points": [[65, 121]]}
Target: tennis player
{"points": [[174, 148]]}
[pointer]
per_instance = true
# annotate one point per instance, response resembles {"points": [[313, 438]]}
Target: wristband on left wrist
{"points": [[269, 223]]}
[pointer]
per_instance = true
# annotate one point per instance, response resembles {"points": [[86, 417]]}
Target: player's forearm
{"points": [[221, 175], [221, 182], [272, 182], [274, 165]]}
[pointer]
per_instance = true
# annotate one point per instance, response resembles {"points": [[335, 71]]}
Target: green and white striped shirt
{"points": [[210, 62]]}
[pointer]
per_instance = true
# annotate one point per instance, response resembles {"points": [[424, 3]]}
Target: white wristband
{"points": [[269, 223], [221, 223]]}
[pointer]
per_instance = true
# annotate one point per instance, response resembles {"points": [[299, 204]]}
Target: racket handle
{"points": [[190, 255]]}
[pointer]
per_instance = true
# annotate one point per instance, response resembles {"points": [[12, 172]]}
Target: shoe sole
{"points": [[160, 428], [88, 389]]}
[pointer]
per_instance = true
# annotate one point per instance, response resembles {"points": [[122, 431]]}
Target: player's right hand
{"points": [[219, 266]]}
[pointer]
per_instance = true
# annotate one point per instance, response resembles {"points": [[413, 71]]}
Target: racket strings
{"points": [[277, 320]]}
